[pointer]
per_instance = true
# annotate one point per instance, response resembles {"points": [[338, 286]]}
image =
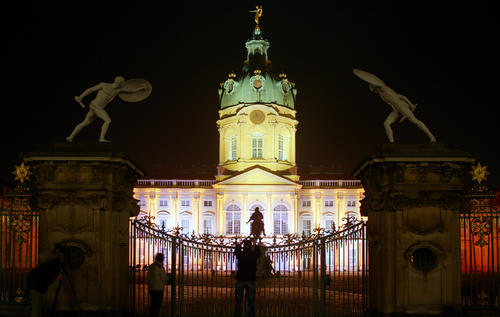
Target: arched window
{"points": [[233, 219], [257, 145], [208, 223], [306, 224], [281, 148], [330, 222], [162, 220], [232, 150], [280, 219], [185, 222]]}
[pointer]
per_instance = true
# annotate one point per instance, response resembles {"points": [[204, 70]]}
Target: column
{"points": [[245, 228], [269, 223], [196, 212], [293, 213], [177, 208], [220, 213]]}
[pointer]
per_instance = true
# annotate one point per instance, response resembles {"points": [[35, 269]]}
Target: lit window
{"points": [[281, 148], [207, 203], [185, 203], [328, 203], [232, 152], [257, 145], [233, 222], [280, 219], [207, 225], [185, 224], [306, 203], [306, 226], [351, 203], [329, 223], [163, 203]]}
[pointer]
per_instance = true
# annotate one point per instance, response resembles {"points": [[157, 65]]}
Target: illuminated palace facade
{"points": [[257, 166]]}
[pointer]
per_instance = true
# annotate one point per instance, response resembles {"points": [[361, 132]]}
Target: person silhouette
{"points": [[246, 276]]}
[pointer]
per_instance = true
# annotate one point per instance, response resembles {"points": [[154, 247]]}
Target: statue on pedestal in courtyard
{"points": [[132, 90], [257, 225], [402, 106]]}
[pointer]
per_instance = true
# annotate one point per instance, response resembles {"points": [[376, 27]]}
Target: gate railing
{"points": [[480, 250], [18, 244], [323, 275]]}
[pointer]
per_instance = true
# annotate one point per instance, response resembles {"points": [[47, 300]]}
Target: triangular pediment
{"points": [[256, 176]]}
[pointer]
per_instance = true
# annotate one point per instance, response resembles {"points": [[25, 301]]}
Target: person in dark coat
{"points": [[245, 277], [40, 278]]}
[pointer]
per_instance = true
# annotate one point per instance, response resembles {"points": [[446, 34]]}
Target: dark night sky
{"points": [[441, 57]]}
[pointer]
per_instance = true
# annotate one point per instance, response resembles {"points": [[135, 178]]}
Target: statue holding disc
{"points": [[402, 106], [132, 90]]}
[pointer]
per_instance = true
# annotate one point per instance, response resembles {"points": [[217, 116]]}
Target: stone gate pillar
{"points": [[84, 195], [412, 200]]}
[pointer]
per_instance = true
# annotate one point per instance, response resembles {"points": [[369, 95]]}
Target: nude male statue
{"points": [[402, 106], [105, 93]]}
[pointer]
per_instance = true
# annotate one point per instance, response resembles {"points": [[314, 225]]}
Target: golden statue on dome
{"points": [[258, 14]]}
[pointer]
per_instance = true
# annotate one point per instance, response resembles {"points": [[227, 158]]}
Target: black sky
{"points": [[442, 57]]}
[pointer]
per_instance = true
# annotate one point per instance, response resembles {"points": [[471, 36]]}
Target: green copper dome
{"points": [[256, 83]]}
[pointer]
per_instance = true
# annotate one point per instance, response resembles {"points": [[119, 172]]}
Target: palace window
{"points": [[280, 219], [207, 225], [163, 203], [162, 220], [329, 222], [232, 152], [306, 226], [207, 203], [185, 203], [186, 225], [351, 203], [281, 148], [328, 203], [306, 203], [142, 202], [257, 145], [233, 219]]}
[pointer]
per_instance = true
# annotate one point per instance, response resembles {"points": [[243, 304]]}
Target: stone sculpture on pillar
{"points": [[402, 106], [132, 90]]}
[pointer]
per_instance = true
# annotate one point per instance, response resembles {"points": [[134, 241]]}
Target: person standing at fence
{"points": [[41, 277], [157, 279], [245, 276]]}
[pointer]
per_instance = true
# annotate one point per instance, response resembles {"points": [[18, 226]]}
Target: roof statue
{"points": [[258, 15], [133, 90], [402, 107]]}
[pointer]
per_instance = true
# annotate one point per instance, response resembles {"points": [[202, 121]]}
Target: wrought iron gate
{"points": [[321, 275], [18, 244], [480, 250]]}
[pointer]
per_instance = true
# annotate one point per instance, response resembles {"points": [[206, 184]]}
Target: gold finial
{"points": [[231, 75], [282, 75], [22, 172], [257, 72], [479, 173], [258, 14]]}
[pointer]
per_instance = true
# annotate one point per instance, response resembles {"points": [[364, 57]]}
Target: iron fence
{"points": [[322, 275], [18, 245], [480, 250]]}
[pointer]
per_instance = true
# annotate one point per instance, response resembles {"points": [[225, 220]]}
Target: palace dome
{"points": [[256, 83]]}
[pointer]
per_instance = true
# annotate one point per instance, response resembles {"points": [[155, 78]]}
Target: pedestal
{"points": [[413, 194], [84, 195]]}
